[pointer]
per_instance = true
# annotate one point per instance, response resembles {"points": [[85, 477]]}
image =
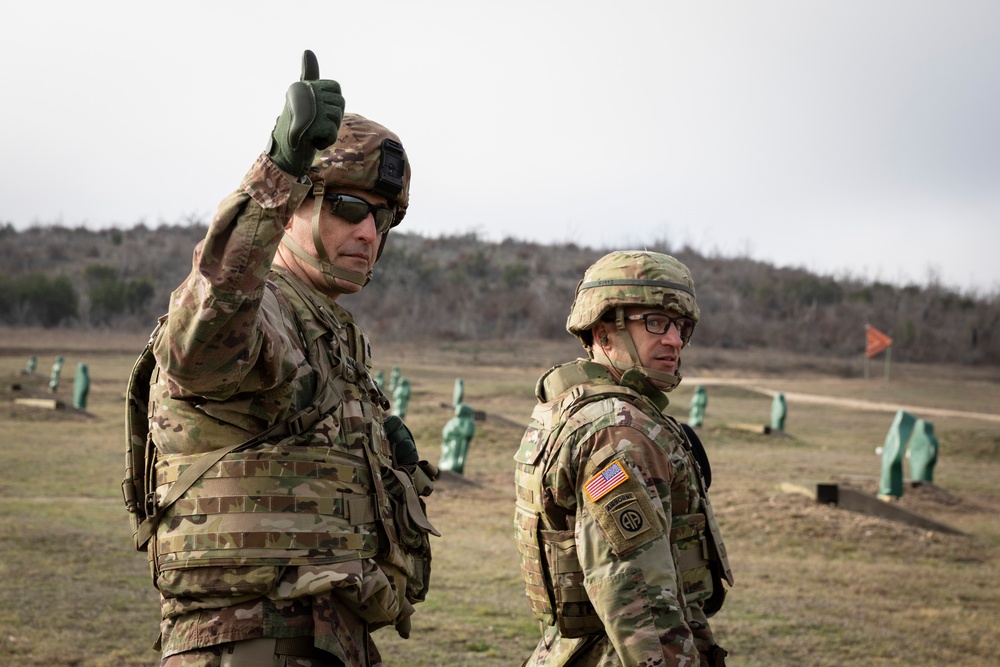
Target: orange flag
{"points": [[877, 341]]}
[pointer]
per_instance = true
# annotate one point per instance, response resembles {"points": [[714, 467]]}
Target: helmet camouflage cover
{"points": [[631, 278], [356, 160]]}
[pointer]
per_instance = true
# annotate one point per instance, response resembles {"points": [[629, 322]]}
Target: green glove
{"points": [[309, 122], [404, 449]]}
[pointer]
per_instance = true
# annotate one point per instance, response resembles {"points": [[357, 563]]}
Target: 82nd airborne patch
{"points": [[626, 517]]}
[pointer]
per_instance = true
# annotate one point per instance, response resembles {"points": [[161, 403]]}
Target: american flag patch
{"points": [[599, 485]]}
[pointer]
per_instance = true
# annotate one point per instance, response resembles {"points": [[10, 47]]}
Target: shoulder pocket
{"points": [[616, 496]]}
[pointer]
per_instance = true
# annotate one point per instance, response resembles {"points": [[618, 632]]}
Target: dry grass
{"points": [[816, 585]]}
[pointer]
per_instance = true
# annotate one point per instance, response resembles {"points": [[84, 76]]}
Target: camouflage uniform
{"points": [[243, 348], [617, 538]]}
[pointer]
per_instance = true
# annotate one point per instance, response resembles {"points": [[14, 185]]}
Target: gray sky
{"points": [[853, 138]]}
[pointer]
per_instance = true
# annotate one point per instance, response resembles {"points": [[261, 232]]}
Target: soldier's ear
{"points": [[600, 334]]}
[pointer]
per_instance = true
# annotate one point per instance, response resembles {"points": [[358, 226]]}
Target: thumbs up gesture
{"points": [[310, 120]]}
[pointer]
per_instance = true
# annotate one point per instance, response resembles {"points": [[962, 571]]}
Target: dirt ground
{"points": [[816, 584]]}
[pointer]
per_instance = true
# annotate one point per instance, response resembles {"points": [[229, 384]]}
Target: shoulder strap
{"points": [[582, 394], [560, 379], [700, 455], [581, 390]]}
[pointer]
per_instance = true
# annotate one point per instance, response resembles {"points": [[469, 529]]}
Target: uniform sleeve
{"points": [[214, 335], [622, 533]]}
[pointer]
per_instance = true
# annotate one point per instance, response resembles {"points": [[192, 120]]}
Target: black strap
{"points": [[700, 455]]}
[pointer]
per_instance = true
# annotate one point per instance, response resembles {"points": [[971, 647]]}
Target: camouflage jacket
{"points": [[612, 525], [243, 348]]}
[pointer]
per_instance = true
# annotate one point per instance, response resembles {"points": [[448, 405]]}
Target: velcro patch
{"points": [[627, 517], [630, 519], [605, 481]]}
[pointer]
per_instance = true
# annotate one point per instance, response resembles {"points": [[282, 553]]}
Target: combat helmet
{"points": [[631, 278], [365, 156]]}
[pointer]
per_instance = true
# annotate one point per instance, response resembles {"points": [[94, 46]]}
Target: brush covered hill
{"points": [[466, 288]]}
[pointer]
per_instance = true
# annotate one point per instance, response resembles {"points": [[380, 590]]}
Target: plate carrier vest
{"points": [[550, 566], [207, 509]]}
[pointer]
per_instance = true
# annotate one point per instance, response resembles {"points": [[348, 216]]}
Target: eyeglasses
{"points": [[658, 323], [355, 210]]}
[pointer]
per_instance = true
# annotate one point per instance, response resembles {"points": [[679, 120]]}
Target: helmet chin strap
{"points": [[660, 380], [322, 261]]}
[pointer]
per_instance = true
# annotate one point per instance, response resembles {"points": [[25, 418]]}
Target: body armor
{"points": [[579, 394], [317, 487]]}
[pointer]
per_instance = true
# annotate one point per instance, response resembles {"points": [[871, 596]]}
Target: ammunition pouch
{"points": [[551, 569], [410, 552], [575, 615], [692, 554], [700, 573]]}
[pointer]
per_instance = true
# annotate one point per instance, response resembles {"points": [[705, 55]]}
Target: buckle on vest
{"points": [[303, 421], [149, 506], [350, 371]]}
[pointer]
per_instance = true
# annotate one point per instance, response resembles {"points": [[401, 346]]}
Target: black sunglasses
{"points": [[658, 323], [355, 210]]}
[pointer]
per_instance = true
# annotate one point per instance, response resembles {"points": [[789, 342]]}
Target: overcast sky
{"points": [[852, 138]]}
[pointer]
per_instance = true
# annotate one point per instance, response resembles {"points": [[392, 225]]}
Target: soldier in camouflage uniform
{"points": [[305, 531], [621, 556]]}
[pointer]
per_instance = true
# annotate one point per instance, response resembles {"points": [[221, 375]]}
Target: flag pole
{"points": [[877, 342]]}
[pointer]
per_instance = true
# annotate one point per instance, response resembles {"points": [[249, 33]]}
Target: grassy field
{"points": [[816, 585]]}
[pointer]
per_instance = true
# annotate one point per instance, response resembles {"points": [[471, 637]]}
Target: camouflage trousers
{"points": [[266, 652]]}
